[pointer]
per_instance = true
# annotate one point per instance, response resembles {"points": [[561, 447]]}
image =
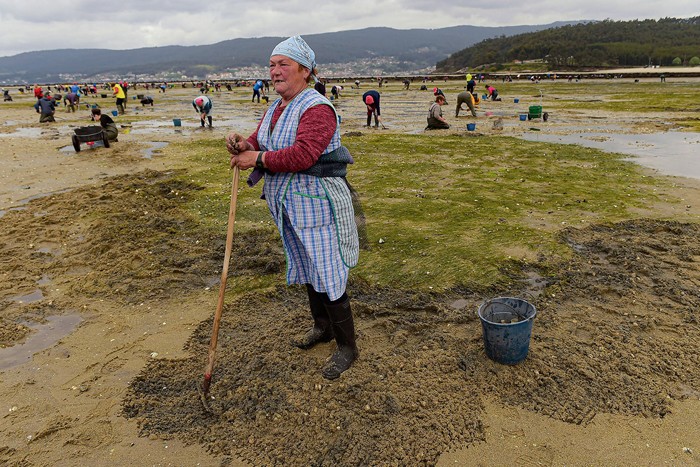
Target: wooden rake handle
{"points": [[222, 288]]}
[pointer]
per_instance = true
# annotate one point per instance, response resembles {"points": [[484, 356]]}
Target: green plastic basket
{"points": [[535, 111]]}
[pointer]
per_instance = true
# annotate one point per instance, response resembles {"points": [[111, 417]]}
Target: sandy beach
{"points": [[107, 292]]}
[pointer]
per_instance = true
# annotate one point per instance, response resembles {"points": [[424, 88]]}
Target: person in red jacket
{"points": [[38, 93], [304, 165]]}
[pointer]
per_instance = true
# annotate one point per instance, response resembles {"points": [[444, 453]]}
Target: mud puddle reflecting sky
{"points": [[21, 204], [23, 133], [83, 147], [43, 336], [155, 147], [671, 153], [30, 297], [5, 211]]}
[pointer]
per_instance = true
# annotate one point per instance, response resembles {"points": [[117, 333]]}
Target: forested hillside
{"points": [[600, 44]]}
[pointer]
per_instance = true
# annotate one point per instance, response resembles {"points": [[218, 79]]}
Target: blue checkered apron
{"points": [[314, 215]]}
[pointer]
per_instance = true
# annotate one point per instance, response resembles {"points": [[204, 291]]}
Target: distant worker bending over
{"points": [[203, 105], [258, 87], [71, 101], [371, 100], [335, 91], [465, 97], [438, 92]]}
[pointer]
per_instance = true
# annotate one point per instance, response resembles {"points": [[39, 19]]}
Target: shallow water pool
{"points": [[43, 336], [671, 153]]}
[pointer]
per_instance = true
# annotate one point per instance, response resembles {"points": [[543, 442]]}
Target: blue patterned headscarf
{"points": [[298, 50]]}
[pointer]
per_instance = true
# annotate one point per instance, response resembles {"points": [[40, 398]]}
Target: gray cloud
{"points": [[129, 24]]}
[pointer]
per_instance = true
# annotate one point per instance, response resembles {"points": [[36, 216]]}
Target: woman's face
{"points": [[287, 76]]}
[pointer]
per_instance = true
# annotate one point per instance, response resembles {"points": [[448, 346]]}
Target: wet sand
{"points": [[612, 377]]}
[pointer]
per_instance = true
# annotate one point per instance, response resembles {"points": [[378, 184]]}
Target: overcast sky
{"points": [[130, 24]]}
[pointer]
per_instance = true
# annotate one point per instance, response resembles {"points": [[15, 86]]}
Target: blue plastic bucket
{"points": [[516, 100], [523, 117], [507, 326], [471, 126], [484, 96], [115, 113], [177, 122]]}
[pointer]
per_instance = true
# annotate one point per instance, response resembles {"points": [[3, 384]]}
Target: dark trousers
{"points": [[435, 124]]}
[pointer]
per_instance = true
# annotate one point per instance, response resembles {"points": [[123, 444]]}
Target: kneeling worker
{"points": [[107, 124], [435, 118], [492, 93]]}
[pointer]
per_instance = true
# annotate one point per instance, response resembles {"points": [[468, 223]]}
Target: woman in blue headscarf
{"points": [[297, 148]]}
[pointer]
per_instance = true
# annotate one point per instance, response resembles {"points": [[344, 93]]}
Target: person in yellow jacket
{"points": [[118, 92]]}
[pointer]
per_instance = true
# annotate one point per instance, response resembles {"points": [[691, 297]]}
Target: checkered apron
{"points": [[314, 215]]}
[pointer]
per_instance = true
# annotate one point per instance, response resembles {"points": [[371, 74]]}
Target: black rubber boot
{"points": [[344, 330], [369, 119], [322, 330], [210, 120]]}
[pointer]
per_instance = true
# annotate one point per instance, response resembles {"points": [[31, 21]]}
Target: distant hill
{"points": [[600, 44], [370, 51]]}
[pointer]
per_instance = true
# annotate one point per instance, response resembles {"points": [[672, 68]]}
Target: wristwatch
{"points": [[259, 161]]}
